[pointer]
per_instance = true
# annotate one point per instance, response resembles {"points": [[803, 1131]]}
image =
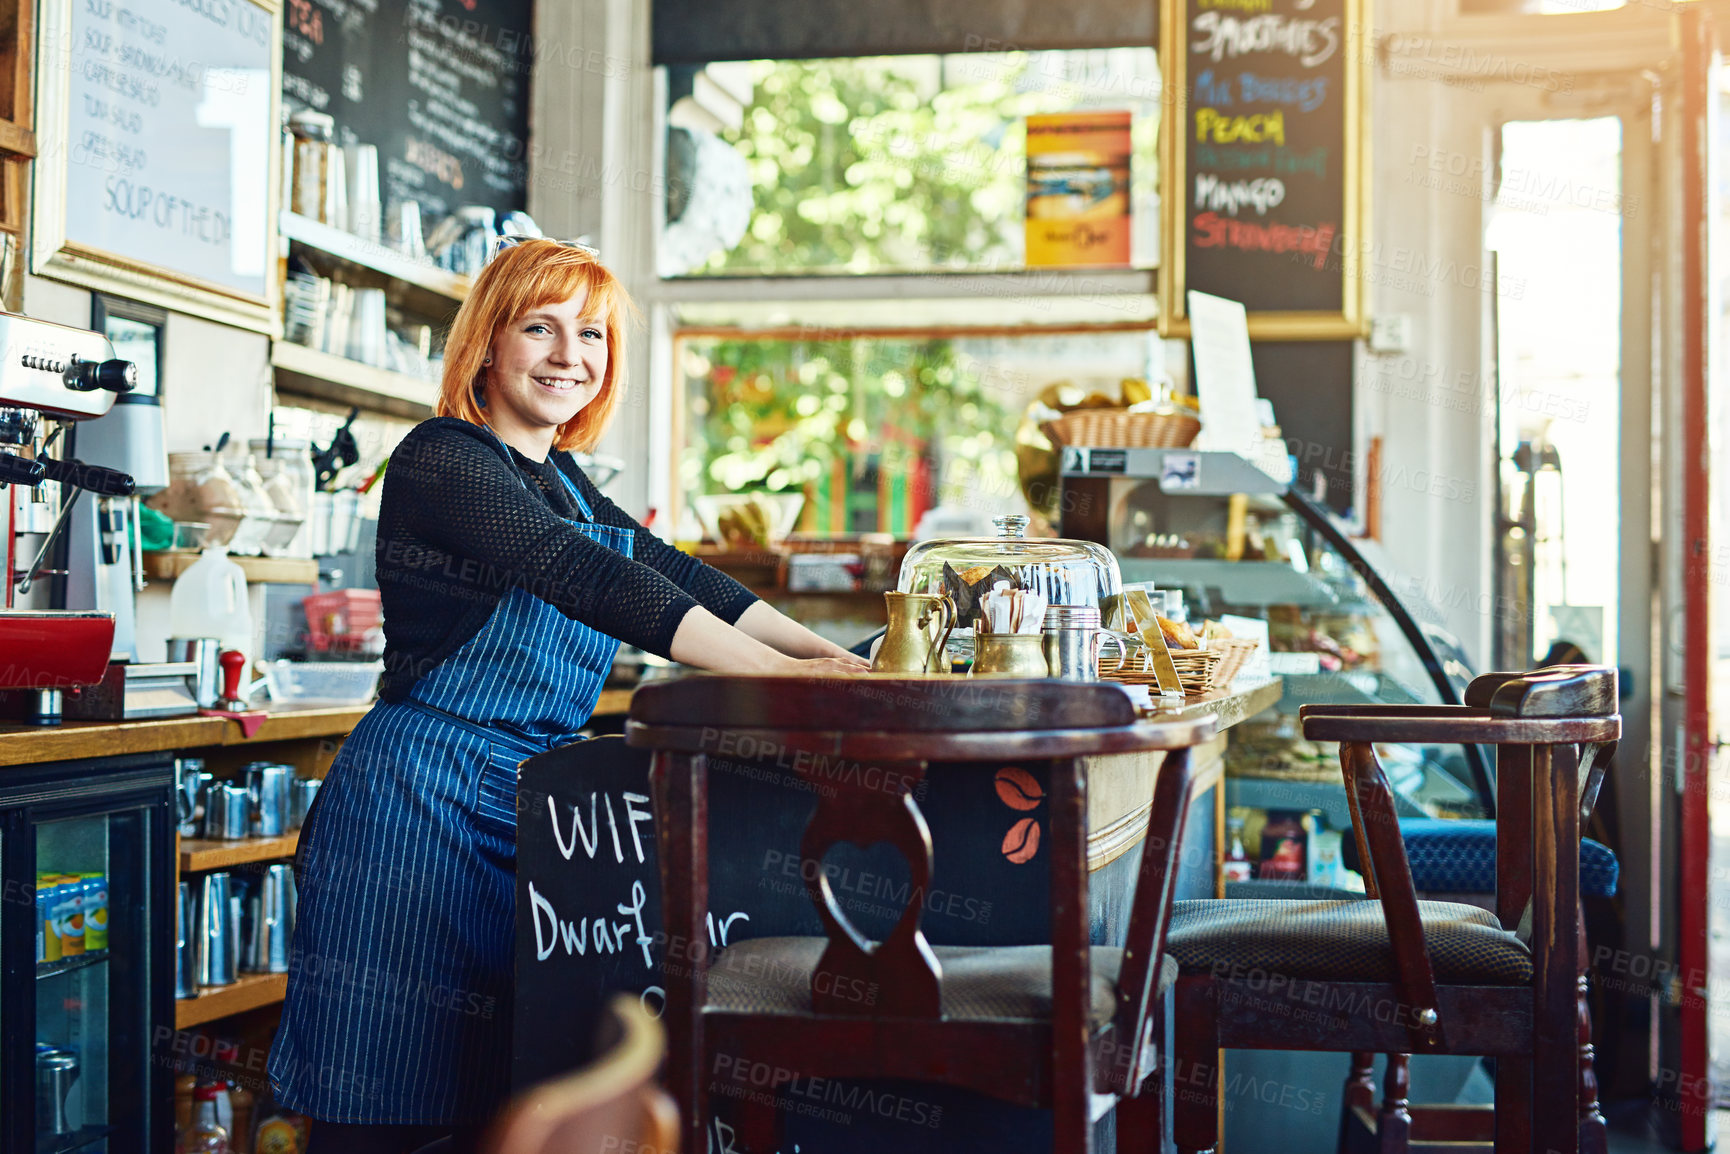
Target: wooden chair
{"points": [[611, 1106], [1465, 1128], [1395, 975], [1040, 1026]]}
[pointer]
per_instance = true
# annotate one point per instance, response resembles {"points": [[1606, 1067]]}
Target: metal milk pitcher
{"points": [[1009, 655], [919, 625]]}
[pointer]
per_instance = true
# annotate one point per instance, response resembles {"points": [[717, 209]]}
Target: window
{"points": [[914, 163]]}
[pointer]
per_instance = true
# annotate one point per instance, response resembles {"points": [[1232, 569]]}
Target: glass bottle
{"points": [[1235, 867], [206, 1135]]}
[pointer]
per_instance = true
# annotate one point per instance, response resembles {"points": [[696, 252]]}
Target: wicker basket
{"points": [[1195, 670], [1116, 429], [1233, 653]]}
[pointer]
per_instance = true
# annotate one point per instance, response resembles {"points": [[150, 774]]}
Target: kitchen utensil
{"points": [[233, 663], [919, 625], [185, 947], [273, 911], [228, 812], [269, 784], [301, 796], [1073, 640], [202, 652], [1009, 655], [191, 784], [216, 933], [56, 1071]]}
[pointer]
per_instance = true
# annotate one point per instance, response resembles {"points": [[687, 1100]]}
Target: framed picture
{"points": [[158, 178]]}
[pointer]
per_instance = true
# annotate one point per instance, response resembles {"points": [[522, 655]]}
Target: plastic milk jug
{"points": [[209, 600]]}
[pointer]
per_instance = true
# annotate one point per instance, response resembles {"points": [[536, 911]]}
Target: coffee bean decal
{"points": [[1020, 790], [1021, 843]]}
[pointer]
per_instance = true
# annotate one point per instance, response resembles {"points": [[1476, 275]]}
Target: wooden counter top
{"points": [[29, 745]]}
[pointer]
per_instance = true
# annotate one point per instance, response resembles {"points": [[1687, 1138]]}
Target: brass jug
{"points": [[919, 625], [1009, 655]]}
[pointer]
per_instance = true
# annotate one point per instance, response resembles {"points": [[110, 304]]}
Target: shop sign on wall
{"points": [[159, 185], [1078, 189], [1262, 179]]}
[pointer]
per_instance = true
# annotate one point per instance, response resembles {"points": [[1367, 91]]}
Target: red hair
{"points": [[520, 279]]}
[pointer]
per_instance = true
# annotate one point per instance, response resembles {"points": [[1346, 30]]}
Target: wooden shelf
{"points": [[312, 373], [198, 854], [249, 992], [446, 289], [169, 564], [31, 745]]}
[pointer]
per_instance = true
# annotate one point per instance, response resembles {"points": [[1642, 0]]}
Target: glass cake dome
{"points": [[1062, 571]]}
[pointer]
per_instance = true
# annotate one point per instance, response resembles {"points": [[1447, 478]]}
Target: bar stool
{"points": [[1041, 1026], [1396, 975]]}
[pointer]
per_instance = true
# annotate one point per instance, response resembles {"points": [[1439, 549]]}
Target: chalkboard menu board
{"points": [[441, 87], [1264, 175], [153, 180]]}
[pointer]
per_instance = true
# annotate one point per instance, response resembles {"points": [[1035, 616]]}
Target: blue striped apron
{"points": [[400, 972]]}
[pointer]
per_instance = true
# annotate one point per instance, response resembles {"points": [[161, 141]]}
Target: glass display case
{"points": [[1237, 542], [85, 850]]}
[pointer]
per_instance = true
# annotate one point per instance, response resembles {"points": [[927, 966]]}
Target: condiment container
{"points": [[314, 145]]}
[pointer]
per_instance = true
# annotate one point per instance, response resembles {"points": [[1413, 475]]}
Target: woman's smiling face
{"points": [[545, 367]]}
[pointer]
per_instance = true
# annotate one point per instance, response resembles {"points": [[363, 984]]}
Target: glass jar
{"points": [[285, 467], [201, 489], [1064, 572]]}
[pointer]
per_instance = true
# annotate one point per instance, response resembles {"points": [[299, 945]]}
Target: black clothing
{"points": [[464, 518]]}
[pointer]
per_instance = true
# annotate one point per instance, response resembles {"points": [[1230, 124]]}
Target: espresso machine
{"points": [[51, 378]]}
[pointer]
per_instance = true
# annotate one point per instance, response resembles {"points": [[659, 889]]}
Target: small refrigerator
{"points": [[87, 956]]}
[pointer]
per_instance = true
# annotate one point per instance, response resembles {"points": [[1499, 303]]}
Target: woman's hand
{"points": [[847, 665], [706, 642]]}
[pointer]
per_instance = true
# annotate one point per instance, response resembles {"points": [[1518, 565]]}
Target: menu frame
{"points": [[1350, 322], [55, 255]]}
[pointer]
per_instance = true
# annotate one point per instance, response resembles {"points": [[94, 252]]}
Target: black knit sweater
{"points": [[464, 518]]}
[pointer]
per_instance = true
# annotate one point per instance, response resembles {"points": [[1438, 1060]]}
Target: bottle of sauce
{"points": [[206, 1135], [1236, 866]]}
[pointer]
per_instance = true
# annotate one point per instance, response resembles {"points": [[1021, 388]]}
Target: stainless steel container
{"points": [[185, 947], [228, 811], [1073, 640], [203, 652], [191, 794], [56, 1112], [269, 784], [305, 792], [217, 934], [273, 911]]}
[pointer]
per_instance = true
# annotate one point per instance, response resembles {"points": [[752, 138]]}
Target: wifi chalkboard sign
{"points": [[1264, 175], [441, 87]]}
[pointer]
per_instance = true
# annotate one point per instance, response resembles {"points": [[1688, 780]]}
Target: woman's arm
{"points": [[706, 642], [778, 631]]}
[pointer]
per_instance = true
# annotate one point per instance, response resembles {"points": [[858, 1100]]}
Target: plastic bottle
{"points": [[206, 1135], [209, 600]]}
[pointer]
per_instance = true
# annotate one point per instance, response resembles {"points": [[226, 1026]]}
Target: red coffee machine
{"points": [[49, 375]]}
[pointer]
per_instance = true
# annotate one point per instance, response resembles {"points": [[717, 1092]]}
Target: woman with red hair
{"points": [[508, 582]]}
